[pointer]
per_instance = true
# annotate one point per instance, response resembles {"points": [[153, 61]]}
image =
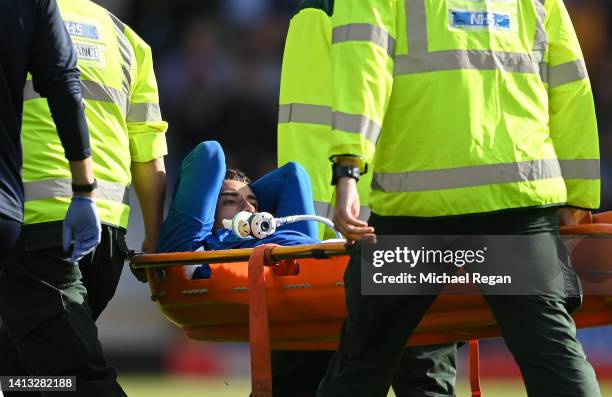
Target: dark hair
{"points": [[237, 175]]}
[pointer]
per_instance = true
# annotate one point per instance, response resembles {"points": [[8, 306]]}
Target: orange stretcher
{"points": [[292, 298]]}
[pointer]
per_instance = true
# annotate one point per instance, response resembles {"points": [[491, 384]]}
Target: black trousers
{"points": [[422, 371], [48, 309], [9, 233], [537, 328]]}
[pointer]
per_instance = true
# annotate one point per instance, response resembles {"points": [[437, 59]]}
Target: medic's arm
{"points": [[573, 125]]}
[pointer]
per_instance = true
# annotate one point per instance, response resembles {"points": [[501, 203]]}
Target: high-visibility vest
{"points": [[464, 106], [304, 123], [123, 115]]}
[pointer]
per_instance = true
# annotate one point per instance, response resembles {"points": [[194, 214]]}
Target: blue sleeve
{"points": [[55, 76], [192, 211], [286, 191]]}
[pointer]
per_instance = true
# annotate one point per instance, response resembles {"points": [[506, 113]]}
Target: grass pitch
{"points": [[166, 386]]}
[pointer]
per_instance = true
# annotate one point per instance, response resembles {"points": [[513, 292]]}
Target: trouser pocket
{"points": [[47, 338]]}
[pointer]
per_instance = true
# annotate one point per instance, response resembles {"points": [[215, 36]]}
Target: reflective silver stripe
{"points": [[304, 113], [364, 213], [28, 91], [580, 169], [464, 59], [416, 27], [319, 114], [326, 210], [125, 51], [322, 209], [540, 42], [91, 90], [544, 72], [453, 178], [567, 73], [144, 112], [356, 123], [284, 113], [364, 32], [420, 60], [56, 188]]}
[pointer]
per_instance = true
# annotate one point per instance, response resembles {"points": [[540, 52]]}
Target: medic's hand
{"points": [[346, 212], [81, 225], [148, 247]]}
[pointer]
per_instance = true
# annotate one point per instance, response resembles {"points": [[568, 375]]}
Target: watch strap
{"points": [[339, 171], [87, 188]]}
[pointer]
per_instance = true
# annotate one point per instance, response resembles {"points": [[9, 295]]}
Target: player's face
{"points": [[235, 196]]}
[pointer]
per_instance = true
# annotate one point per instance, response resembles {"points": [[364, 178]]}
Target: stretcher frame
{"points": [[276, 280]]}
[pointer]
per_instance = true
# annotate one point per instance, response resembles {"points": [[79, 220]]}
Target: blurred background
{"points": [[218, 69]]}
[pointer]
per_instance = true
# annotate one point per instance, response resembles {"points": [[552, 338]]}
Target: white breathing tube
{"points": [[316, 218], [262, 224]]}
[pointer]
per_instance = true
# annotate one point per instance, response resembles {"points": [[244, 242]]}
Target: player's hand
{"points": [[346, 213]]}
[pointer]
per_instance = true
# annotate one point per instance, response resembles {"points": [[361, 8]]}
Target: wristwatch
{"points": [[338, 171], [87, 188]]}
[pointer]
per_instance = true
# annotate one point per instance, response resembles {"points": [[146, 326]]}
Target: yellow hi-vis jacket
{"points": [[123, 115], [305, 115], [464, 106]]}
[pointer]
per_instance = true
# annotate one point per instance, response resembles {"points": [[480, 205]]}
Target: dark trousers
{"points": [[423, 371], [9, 233], [537, 328], [48, 309]]}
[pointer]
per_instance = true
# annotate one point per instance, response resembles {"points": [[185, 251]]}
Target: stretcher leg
{"points": [[259, 333], [474, 368]]}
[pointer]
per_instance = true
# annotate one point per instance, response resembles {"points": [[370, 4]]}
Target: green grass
{"points": [[184, 387], [165, 386]]}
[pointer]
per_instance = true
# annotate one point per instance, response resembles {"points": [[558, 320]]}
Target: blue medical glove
{"points": [[82, 225]]}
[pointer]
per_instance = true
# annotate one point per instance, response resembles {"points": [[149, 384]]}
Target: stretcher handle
{"points": [[319, 251]]}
